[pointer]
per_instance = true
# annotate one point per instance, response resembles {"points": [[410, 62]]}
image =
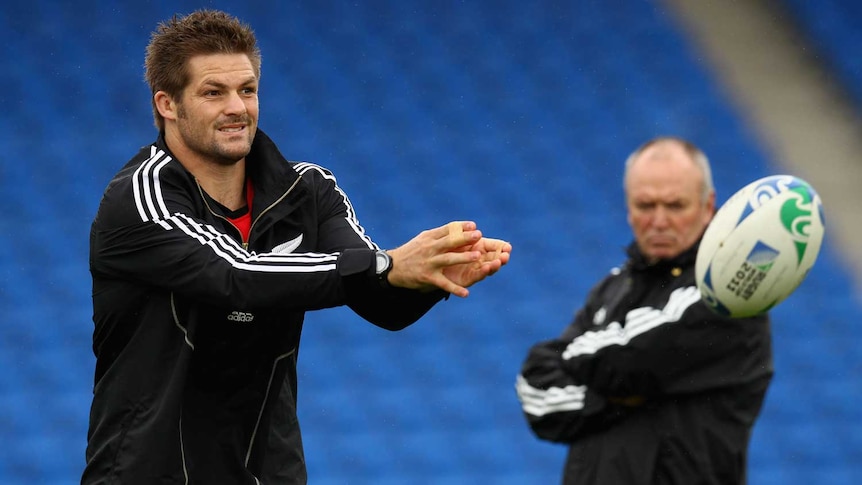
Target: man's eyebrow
{"points": [[212, 83], [221, 85]]}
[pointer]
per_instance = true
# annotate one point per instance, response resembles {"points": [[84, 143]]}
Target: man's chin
{"points": [[660, 252], [232, 153]]}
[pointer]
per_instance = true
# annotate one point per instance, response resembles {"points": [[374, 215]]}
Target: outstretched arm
{"points": [[424, 270], [452, 258]]}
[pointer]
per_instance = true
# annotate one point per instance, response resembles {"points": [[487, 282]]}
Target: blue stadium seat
{"points": [[516, 115]]}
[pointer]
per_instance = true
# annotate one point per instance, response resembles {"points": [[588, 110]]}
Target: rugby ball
{"points": [[759, 246]]}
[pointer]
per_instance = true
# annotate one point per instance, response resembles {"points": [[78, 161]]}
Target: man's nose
{"points": [[234, 104], [660, 217]]}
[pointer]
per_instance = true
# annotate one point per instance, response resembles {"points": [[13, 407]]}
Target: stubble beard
{"points": [[200, 141]]}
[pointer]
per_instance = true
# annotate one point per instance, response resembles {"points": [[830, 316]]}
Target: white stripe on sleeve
{"points": [[638, 322], [540, 402], [150, 203], [351, 218]]}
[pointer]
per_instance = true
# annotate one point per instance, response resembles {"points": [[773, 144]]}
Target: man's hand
{"points": [[451, 257]]}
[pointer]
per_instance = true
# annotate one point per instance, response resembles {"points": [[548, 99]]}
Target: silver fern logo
{"points": [[288, 246]]}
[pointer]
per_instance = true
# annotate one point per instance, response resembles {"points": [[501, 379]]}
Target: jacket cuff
{"points": [[354, 261], [388, 307]]}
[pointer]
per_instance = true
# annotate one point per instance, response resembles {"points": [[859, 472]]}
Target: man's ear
{"points": [[710, 204], [628, 211], [166, 106]]}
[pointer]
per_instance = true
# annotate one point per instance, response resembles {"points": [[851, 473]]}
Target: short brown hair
{"points": [[177, 40]]}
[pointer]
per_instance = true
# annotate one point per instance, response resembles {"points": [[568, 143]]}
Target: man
{"points": [[207, 249], [647, 385]]}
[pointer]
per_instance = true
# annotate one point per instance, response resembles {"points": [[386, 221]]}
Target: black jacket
{"points": [[647, 385], [196, 336]]}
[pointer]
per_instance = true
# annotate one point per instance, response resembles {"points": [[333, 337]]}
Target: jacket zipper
{"points": [[251, 227]]}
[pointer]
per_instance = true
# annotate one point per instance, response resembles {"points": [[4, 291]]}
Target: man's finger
{"points": [[456, 231], [448, 286], [498, 245], [461, 233]]}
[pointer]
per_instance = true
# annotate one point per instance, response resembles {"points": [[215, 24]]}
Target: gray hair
{"points": [[696, 154]]}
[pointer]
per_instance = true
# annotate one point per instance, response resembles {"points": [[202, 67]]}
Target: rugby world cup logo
{"points": [[753, 270]]}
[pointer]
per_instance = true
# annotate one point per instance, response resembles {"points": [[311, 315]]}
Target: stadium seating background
{"points": [[514, 114]]}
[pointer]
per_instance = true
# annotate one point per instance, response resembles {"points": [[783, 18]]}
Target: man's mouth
{"points": [[661, 241]]}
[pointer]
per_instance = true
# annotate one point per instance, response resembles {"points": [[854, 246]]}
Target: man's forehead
{"points": [[664, 169], [218, 66], [665, 193], [664, 186]]}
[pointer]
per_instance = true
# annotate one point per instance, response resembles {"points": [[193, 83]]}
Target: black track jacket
{"points": [[196, 336], [695, 382]]}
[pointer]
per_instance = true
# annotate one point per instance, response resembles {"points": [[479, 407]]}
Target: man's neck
{"points": [[224, 183]]}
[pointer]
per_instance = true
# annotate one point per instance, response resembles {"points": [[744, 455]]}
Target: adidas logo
{"points": [[240, 317]]}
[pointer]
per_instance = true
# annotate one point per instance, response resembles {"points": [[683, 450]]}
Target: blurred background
{"points": [[517, 115]]}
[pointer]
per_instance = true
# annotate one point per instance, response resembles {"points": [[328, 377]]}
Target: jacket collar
{"points": [[271, 174]]}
